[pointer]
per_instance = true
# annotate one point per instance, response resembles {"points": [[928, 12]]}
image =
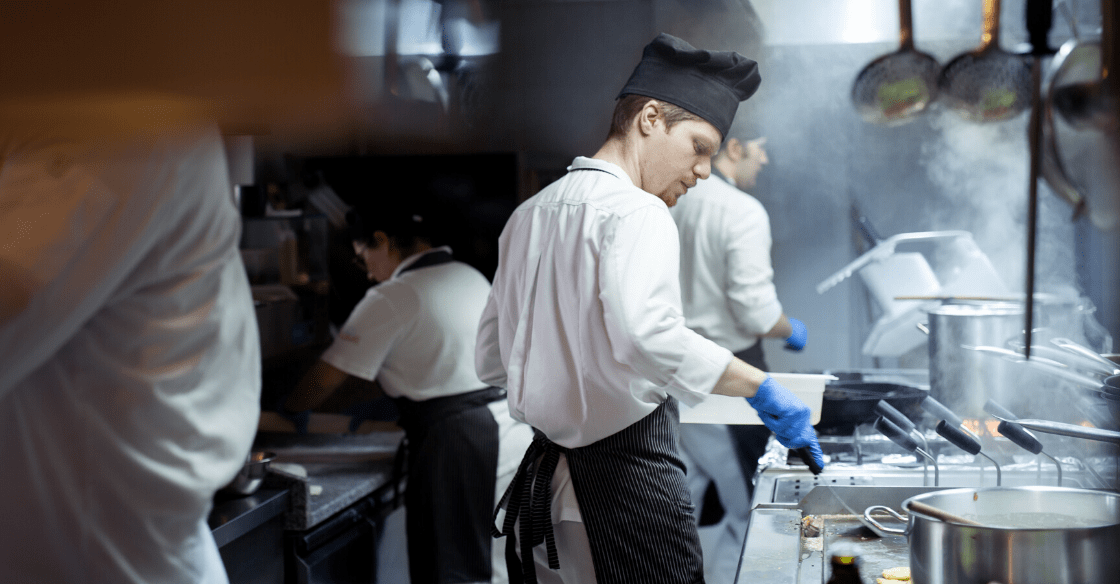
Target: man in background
{"points": [[728, 296]]}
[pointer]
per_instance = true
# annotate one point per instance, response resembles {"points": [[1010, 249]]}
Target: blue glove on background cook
{"points": [[800, 336], [787, 417]]}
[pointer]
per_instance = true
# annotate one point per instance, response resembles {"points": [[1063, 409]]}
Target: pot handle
{"points": [[891, 530], [922, 327]]}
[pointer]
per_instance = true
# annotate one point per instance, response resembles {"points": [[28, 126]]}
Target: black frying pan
{"points": [[848, 403]]}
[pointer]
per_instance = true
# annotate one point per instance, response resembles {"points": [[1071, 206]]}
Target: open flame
{"points": [[981, 427]]}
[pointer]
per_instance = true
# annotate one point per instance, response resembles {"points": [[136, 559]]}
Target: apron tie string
{"points": [[534, 507]]}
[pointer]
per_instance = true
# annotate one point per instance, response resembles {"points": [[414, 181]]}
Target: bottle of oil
{"points": [[844, 563]]}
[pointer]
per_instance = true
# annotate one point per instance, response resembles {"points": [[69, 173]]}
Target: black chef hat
{"points": [[709, 84]]}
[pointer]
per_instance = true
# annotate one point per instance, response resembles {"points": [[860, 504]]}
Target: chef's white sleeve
{"points": [[487, 353], [640, 291], [371, 331], [751, 295]]}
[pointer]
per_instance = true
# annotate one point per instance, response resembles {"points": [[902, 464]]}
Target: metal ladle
{"points": [[1086, 97], [897, 87], [987, 84]]}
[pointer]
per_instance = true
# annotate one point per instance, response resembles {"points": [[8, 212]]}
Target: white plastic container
{"points": [[722, 409]]}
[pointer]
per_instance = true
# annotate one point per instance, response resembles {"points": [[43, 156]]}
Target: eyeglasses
{"points": [[359, 255]]}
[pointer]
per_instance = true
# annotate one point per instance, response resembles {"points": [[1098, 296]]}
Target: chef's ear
{"points": [[649, 116], [735, 149], [379, 239]]}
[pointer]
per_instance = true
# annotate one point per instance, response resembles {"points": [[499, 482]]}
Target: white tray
{"points": [[721, 409]]}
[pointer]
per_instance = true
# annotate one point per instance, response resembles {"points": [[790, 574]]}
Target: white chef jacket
{"points": [[415, 332], [583, 325], [130, 385], [727, 282]]}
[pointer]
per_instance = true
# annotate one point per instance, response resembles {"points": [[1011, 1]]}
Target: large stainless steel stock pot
{"points": [[1031, 535]]}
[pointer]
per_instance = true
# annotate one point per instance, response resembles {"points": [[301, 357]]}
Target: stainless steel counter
{"points": [[341, 470], [776, 550]]}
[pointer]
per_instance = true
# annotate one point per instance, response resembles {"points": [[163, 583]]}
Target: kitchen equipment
{"points": [[900, 266], [940, 514], [1041, 364], [964, 379], [849, 403], [1103, 365], [899, 419], [900, 437], [1063, 429], [252, 473], [1031, 535], [987, 84], [1081, 102], [1017, 435], [897, 87], [965, 442], [722, 409]]}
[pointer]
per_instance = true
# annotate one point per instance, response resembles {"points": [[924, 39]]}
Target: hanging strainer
{"points": [[987, 84], [898, 86]]}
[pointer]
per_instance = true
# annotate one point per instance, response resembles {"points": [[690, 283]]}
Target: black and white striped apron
{"points": [[633, 498]]}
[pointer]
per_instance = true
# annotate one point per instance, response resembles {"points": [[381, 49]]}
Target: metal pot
{"points": [[965, 380], [1031, 535]]}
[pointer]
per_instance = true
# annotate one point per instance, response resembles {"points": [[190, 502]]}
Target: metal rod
{"points": [[936, 471], [1032, 190], [925, 465], [1056, 463], [999, 477]]}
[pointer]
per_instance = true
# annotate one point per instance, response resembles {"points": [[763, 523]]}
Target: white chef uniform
{"points": [[727, 286], [585, 331], [130, 385], [415, 333]]}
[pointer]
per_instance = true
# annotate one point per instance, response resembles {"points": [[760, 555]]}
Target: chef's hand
{"points": [[381, 409], [299, 419], [787, 417], [800, 336]]}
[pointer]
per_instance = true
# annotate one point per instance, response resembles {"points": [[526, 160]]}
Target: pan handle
{"points": [[895, 514]]}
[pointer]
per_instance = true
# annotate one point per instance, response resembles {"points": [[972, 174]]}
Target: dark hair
{"points": [[405, 226], [628, 106]]}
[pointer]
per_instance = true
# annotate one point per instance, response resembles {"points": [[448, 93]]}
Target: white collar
{"points": [[583, 162]]}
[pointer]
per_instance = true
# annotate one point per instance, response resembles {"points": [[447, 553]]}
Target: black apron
{"points": [[633, 498], [750, 440], [450, 456]]}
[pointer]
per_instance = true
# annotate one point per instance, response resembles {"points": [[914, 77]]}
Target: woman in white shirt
{"points": [[414, 332]]}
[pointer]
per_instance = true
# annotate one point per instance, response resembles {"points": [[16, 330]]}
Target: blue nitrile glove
{"points": [[787, 417], [300, 419], [800, 336]]}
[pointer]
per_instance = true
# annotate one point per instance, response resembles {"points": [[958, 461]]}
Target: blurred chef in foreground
{"points": [[130, 377], [414, 332], [728, 296], [584, 328]]}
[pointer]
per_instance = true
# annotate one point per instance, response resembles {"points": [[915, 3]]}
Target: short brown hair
{"points": [[628, 106]]}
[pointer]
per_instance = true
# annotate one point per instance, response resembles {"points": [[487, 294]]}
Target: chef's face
{"points": [[754, 158], [377, 256], [680, 156]]}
